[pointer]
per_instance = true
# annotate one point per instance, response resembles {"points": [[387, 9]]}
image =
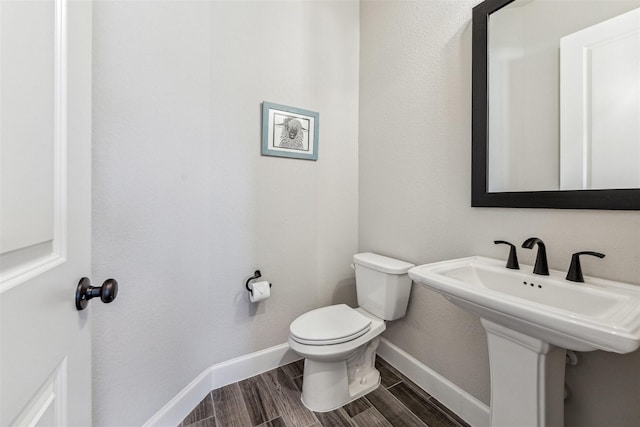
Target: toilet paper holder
{"points": [[255, 276]]}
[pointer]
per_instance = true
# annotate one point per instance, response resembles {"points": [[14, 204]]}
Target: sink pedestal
{"points": [[530, 320], [527, 379]]}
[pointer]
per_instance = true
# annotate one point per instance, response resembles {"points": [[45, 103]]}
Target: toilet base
{"points": [[329, 385], [325, 388]]}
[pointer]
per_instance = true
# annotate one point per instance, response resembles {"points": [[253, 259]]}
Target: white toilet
{"points": [[339, 343]]}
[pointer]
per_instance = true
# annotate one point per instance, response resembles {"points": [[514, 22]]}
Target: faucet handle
{"points": [[575, 269], [512, 261]]}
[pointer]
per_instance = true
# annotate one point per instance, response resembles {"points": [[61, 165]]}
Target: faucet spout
{"points": [[541, 266]]}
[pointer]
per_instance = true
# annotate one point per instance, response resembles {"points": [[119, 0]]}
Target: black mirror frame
{"points": [[615, 199]]}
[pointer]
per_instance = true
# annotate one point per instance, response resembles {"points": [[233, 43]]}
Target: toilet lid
{"points": [[329, 325]]}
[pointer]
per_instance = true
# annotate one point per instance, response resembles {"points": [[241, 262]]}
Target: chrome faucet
{"points": [[541, 267]]}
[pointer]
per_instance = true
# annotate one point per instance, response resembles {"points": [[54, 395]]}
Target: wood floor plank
{"points": [[337, 418], [429, 413], [388, 376], [417, 390], [393, 372], [202, 411], [276, 422], [229, 407], [298, 383], [294, 369], [258, 400], [449, 412], [209, 422], [357, 406], [391, 408], [371, 418], [287, 399]]}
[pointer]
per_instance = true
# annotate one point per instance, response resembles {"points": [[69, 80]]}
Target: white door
{"points": [[45, 211], [600, 105]]}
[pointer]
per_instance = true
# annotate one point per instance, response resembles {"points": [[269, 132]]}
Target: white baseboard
{"points": [[453, 397], [183, 403], [219, 375], [252, 364]]}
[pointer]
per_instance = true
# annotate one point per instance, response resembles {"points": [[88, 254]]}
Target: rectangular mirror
{"points": [[556, 104]]}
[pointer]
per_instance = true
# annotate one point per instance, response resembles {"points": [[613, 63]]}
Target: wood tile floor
{"points": [[272, 399]]}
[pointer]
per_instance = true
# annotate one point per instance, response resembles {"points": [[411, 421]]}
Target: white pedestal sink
{"points": [[530, 321]]}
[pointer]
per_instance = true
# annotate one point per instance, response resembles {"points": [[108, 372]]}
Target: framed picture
{"points": [[289, 132]]}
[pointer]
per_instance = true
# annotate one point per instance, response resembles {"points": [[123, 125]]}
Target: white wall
{"points": [[184, 206], [415, 180]]}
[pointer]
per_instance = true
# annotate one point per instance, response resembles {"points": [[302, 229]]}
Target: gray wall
{"points": [[184, 206], [414, 168]]}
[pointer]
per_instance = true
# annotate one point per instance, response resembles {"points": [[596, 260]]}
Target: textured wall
{"points": [[184, 206], [415, 180]]}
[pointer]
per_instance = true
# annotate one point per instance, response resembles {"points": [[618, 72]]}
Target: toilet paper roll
{"points": [[261, 291]]}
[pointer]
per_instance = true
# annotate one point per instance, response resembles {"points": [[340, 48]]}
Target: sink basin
{"points": [[530, 321], [598, 314]]}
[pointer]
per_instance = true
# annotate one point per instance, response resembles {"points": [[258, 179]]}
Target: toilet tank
{"points": [[382, 284]]}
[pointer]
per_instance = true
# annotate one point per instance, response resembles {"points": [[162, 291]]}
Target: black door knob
{"points": [[84, 292]]}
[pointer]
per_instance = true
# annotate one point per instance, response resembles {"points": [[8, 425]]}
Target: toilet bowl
{"points": [[337, 373], [339, 342]]}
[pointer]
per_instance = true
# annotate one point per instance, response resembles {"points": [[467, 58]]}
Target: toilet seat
{"points": [[330, 325]]}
